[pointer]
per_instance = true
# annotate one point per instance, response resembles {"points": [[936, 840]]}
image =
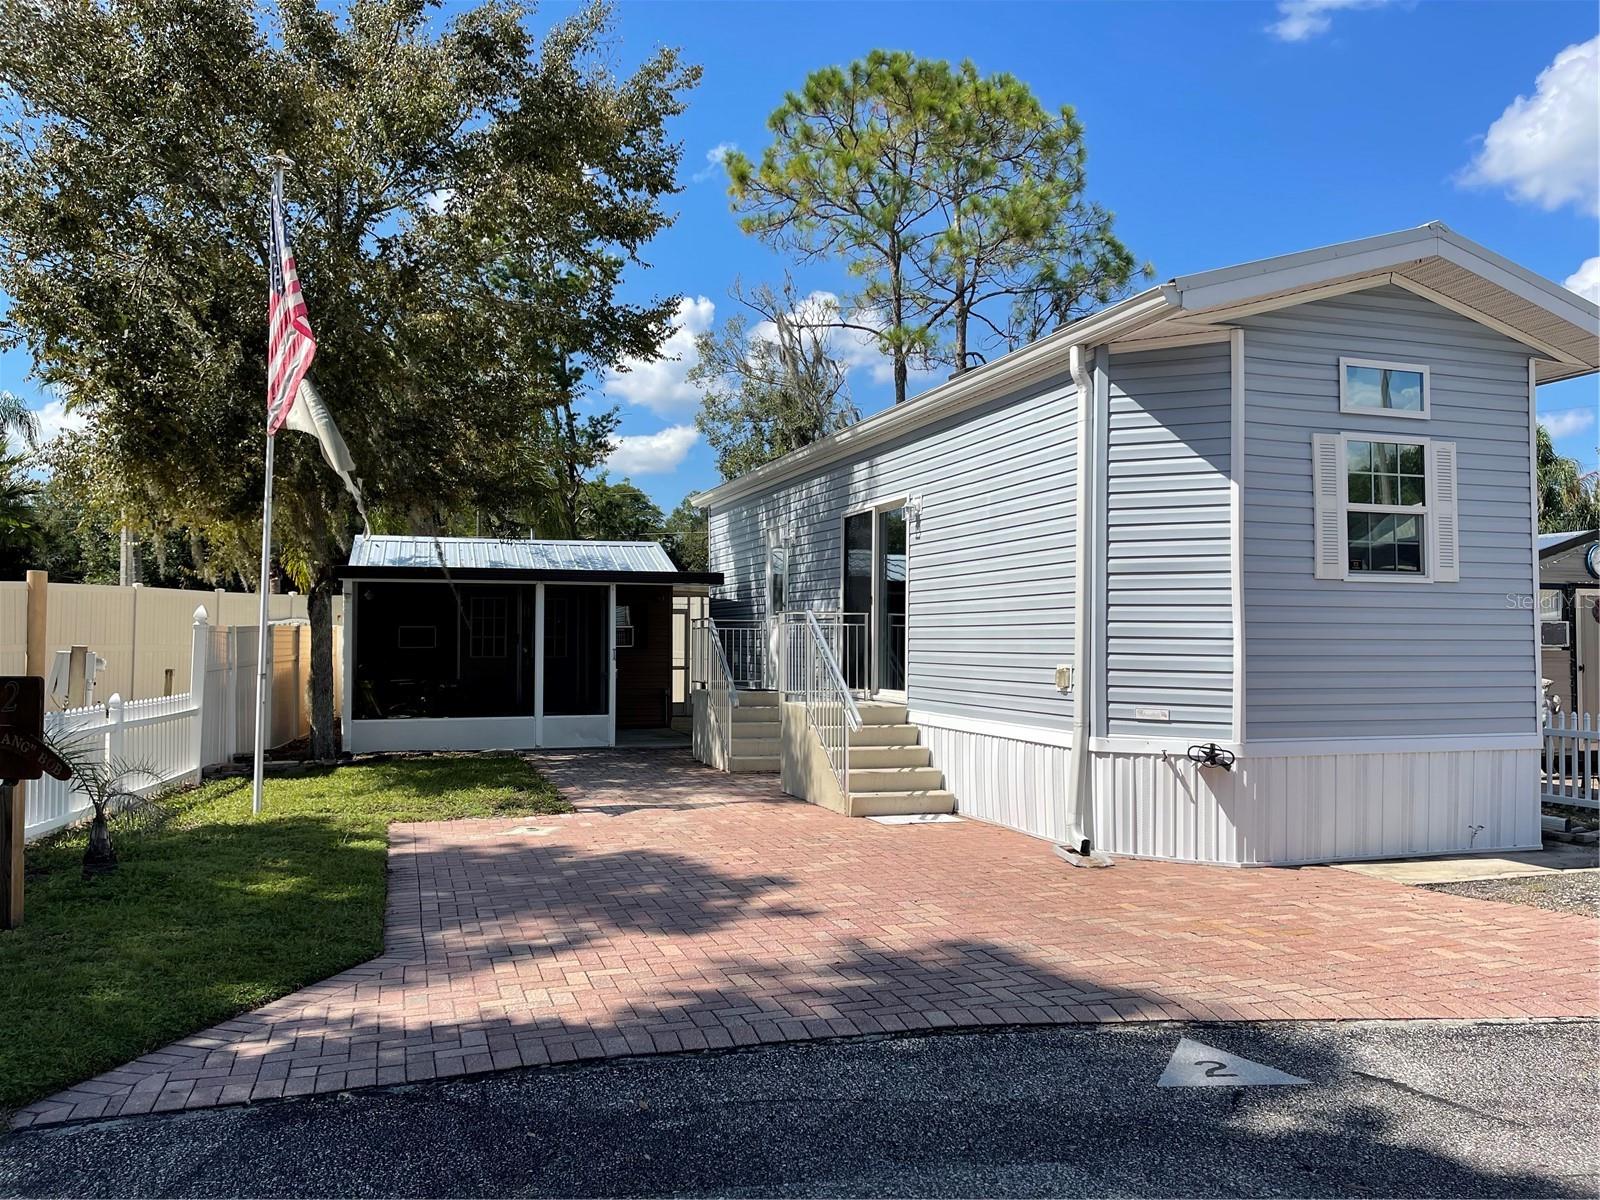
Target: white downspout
{"points": [[1080, 811]]}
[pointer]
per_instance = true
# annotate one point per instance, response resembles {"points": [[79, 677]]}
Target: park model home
{"points": [[483, 644], [1277, 516]]}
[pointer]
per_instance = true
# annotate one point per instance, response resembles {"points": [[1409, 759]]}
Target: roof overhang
{"points": [[527, 575], [1569, 541], [1560, 329]]}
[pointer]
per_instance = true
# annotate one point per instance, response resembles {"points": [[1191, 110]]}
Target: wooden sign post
{"points": [[23, 755]]}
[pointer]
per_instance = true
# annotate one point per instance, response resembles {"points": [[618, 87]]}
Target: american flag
{"points": [[290, 342]]}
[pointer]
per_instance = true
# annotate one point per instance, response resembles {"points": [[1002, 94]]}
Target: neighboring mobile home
{"points": [[487, 644], [1280, 513], [1569, 629]]}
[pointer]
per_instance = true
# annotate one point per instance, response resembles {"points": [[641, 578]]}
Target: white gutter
{"points": [[1080, 817]]}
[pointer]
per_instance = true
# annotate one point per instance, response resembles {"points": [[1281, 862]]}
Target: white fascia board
{"points": [[1310, 269], [1519, 281], [1307, 269], [1032, 363]]}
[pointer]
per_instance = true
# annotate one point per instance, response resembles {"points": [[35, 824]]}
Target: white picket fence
{"points": [[170, 739], [1571, 760]]}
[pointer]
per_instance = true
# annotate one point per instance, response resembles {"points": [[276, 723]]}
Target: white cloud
{"points": [[54, 420], [715, 157], [1545, 148], [1567, 421], [1302, 20], [439, 200], [652, 453], [1586, 280], [662, 384]]}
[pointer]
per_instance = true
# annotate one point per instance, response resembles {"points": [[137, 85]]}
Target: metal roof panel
{"points": [[529, 554]]}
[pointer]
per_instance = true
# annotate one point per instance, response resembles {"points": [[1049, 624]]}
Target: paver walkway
{"points": [[682, 909]]}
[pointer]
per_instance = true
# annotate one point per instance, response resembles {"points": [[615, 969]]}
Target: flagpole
{"points": [[280, 160], [261, 651]]}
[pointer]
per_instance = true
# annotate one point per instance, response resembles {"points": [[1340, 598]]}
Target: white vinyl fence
{"points": [[170, 739], [1571, 760]]}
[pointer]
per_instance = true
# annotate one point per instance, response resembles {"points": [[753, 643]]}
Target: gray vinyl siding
{"points": [[990, 569], [1386, 658], [1169, 592]]}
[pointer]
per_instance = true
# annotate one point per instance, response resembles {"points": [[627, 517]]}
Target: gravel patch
{"points": [[1563, 891]]}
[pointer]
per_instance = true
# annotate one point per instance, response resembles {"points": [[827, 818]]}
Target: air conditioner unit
{"points": [[1555, 635]]}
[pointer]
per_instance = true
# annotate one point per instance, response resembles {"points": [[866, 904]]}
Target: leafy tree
{"points": [[80, 540], [1009, 179], [686, 536], [1569, 497], [21, 536], [774, 386], [619, 512], [463, 205], [957, 199]]}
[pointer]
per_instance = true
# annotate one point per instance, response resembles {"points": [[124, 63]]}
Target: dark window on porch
{"points": [[438, 650]]}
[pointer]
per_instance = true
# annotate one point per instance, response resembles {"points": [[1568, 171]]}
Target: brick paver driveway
{"points": [[681, 909]]}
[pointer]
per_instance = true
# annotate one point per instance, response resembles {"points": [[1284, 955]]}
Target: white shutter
{"points": [[1327, 483], [1442, 505]]}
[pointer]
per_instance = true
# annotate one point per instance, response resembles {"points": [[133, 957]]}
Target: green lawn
{"points": [[215, 912]]}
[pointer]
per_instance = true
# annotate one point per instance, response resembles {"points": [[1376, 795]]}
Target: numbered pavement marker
{"points": [[1194, 1064]]}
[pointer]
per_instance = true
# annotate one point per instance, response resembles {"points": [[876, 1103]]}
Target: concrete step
{"points": [[760, 747], [894, 779], [755, 716], [899, 804], [758, 699], [748, 764], [889, 756], [885, 735], [881, 712]]}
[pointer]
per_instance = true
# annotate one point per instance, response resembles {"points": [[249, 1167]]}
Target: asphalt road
{"points": [[1390, 1109]]}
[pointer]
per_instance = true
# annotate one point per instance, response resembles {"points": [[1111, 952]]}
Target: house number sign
{"points": [[23, 754]]}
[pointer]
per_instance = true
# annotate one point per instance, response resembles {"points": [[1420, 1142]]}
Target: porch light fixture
{"points": [[913, 511]]}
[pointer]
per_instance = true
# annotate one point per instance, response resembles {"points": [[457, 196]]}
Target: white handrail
{"points": [[812, 677], [722, 697], [831, 666], [746, 649]]}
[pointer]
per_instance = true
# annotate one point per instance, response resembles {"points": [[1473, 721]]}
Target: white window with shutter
{"points": [[1385, 508]]}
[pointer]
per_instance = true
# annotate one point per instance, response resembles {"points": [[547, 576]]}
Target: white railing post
{"points": [[199, 666], [116, 735]]}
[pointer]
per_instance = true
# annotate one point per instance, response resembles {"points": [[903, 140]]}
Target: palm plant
{"points": [[117, 789], [17, 418]]}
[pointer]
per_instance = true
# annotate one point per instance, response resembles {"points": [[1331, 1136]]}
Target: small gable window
{"points": [[1396, 389]]}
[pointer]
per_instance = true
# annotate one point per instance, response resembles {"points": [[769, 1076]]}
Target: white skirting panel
{"points": [[441, 733], [1278, 809], [1317, 808], [1007, 780]]}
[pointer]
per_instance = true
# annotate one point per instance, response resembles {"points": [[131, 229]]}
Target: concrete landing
{"points": [[1556, 856]]}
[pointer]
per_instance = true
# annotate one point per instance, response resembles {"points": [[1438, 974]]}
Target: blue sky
{"points": [[1217, 133]]}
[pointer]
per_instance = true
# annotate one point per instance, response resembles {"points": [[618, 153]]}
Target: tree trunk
{"points": [[319, 604], [98, 856], [897, 311]]}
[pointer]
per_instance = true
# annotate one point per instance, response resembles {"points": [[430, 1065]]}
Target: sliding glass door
{"points": [[890, 600], [854, 644], [873, 642]]}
